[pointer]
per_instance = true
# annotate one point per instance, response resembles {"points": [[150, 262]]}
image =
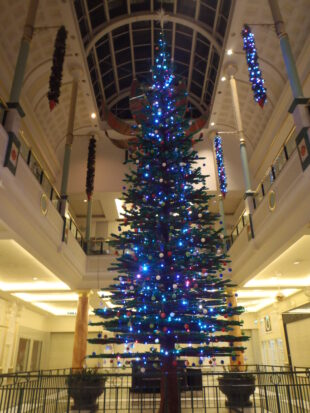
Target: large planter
{"points": [[237, 387], [85, 390]]}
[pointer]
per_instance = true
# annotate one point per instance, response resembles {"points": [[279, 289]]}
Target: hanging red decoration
{"points": [[57, 67], [90, 177]]}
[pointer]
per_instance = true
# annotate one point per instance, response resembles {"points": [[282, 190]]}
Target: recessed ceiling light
{"points": [[212, 123], [229, 52], [93, 115], [296, 262], [84, 200], [223, 78], [35, 278]]}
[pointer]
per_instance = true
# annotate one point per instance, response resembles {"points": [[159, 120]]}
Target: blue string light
{"points": [[255, 74], [220, 164]]}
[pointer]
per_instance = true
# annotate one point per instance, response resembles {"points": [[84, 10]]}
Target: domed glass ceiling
{"points": [[119, 38]]}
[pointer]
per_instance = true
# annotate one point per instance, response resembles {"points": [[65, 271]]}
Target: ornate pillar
{"points": [[15, 112], [69, 140], [299, 108], [218, 190], [286, 49], [81, 331], [237, 360], [222, 214], [90, 179], [248, 195]]}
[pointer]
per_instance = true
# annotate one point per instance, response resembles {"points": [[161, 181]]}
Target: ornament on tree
{"points": [[57, 67], [255, 74]]}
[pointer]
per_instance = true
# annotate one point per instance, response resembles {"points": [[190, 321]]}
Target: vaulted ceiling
{"points": [[120, 37]]}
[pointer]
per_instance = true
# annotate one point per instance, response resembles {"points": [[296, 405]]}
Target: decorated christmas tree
{"points": [[171, 288]]}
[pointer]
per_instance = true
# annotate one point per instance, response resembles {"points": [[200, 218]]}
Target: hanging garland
{"points": [[255, 74], [57, 67], [90, 177], [220, 164]]}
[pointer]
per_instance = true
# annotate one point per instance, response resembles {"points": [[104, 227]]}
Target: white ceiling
{"points": [[20, 271]]}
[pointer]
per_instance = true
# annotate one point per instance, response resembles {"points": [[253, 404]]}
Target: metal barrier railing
{"points": [[264, 186], [276, 391]]}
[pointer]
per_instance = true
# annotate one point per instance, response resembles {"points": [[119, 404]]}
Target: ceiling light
{"points": [[212, 123], [229, 52], [35, 278], [296, 262], [38, 286], [279, 283], [34, 297], [93, 115], [85, 200], [223, 78]]}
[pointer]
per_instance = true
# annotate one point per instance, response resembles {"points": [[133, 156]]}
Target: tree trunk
{"points": [[169, 387]]}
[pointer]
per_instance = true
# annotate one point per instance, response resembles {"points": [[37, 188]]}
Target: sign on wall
{"points": [[12, 153], [303, 146]]}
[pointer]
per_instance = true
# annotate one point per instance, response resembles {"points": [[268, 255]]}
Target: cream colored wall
{"points": [[17, 322], [269, 340], [299, 339], [57, 334]]}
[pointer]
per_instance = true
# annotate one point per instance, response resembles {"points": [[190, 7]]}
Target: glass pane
{"points": [[22, 354], [47, 187], [234, 234], [279, 163], [73, 228], [79, 237], [35, 167], [291, 145], [259, 196], [267, 182], [55, 199], [245, 219], [36, 355], [24, 151], [240, 225]]}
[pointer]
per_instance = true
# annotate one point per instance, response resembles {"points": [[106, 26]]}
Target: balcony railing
{"points": [[276, 168], [38, 172], [264, 186], [277, 390], [50, 191], [101, 247]]}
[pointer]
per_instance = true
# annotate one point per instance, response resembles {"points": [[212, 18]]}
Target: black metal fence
{"points": [[277, 390]]}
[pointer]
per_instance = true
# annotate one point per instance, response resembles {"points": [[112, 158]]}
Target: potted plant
{"points": [[237, 386], [85, 386]]}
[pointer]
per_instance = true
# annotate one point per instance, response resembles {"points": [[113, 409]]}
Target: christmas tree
{"points": [[170, 292]]}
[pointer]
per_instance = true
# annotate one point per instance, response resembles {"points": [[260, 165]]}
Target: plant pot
{"points": [[237, 387], [85, 394]]}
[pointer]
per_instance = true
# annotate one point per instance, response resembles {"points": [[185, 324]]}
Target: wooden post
{"points": [[81, 331]]}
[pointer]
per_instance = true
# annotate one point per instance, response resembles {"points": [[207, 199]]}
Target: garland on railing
{"points": [[90, 177], [220, 164], [57, 67], [255, 74]]}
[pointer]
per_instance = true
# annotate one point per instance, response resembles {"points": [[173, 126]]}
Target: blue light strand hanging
{"points": [[255, 74], [220, 164]]}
